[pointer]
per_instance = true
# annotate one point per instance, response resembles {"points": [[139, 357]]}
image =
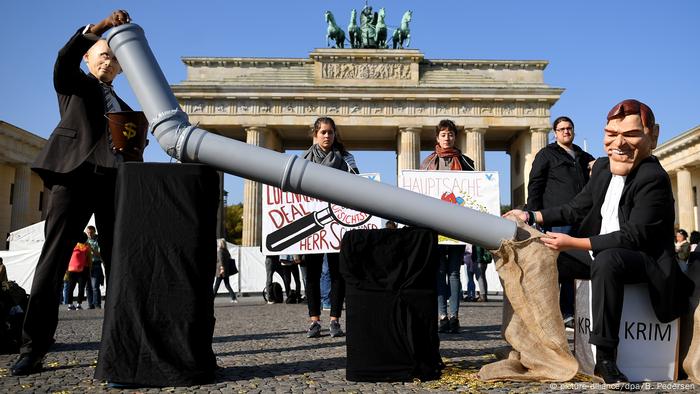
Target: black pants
{"points": [[73, 199], [79, 279], [289, 271], [314, 265], [611, 270], [272, 265], [217, 283]]}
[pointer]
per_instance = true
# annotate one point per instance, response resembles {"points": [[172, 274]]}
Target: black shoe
{"points": [[27, 364], [611, 375], [314, 330], [454, 325], [336, 331], [444, 325]]}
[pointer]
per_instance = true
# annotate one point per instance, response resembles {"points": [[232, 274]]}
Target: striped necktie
{"points": [[111, 105]]}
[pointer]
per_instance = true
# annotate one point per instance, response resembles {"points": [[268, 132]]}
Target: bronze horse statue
{"points": [[403, 32], [334, 32], [354, 32], [381, 30]]}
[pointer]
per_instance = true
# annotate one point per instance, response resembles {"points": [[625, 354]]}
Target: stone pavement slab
{"points": [[263, 349]]}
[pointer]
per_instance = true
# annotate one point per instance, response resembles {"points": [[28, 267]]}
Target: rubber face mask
{"points": [[627, 142]]}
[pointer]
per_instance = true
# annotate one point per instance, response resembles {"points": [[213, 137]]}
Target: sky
{"points": [[600, 52]]}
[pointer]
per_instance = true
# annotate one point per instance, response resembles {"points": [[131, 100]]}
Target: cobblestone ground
{"points": [[263, 348]]}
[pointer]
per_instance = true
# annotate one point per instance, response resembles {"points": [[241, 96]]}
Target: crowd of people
{"points": [[609, 218]]}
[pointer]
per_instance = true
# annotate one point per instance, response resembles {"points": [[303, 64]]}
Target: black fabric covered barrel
{"points": [[391, 303], [159, 311]]}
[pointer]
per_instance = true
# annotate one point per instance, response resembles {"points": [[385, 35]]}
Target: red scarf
{"points": [[431, 163]]}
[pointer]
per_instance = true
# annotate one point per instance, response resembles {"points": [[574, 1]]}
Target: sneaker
{"points": [[314, 330], [336, 331], [79, 307], [234, 301], [91, 307], [71, 307], [444, 324], [454, 325], [326, 307]]}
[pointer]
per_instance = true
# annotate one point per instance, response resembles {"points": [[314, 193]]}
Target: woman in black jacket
{"points": [[327, 150]]}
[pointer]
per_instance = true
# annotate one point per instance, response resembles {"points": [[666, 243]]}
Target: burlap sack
{"points": [[532, 322]]}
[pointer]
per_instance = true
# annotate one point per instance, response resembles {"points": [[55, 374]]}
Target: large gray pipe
{"points": [[187, 143]]}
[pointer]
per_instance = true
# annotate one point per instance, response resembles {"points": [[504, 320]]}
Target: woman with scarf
{"points": [[327, 150], [448, 158]]}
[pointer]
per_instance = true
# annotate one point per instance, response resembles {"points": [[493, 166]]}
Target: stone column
{"points": [[538, 140], [474, 147], [20, 197], [408, 148], [686, 215], [252, 205]]}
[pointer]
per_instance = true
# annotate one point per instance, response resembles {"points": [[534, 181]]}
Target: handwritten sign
{"points": [[472, 189], [297, 224]]}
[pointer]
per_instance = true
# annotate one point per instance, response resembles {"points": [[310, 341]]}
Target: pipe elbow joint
{"points": [[171, 129]]}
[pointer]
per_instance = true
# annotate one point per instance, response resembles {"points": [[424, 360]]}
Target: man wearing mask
{"points": [[626, 233], [78, 165], [559, 172]]}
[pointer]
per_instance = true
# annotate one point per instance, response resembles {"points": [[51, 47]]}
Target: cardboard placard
{"points": [[472, 189], [648, 349], [297, 224]]}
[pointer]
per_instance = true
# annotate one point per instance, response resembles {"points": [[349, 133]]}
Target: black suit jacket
{"points": [[82, 107], [646, 214]]}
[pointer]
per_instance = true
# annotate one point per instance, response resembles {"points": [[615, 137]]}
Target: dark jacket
{"points": [[555, 178], [647, 216], [81, 104], [222, 261]]}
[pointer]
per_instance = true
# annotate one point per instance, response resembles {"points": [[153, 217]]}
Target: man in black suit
{"points": [[626, 218], [79, 167]]}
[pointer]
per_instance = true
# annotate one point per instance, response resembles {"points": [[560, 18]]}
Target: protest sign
{"points": [[472, 189], [297, 224], [648, 349]]}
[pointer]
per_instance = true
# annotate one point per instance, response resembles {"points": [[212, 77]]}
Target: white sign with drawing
{"points": [[472, 189], [297, 224]]}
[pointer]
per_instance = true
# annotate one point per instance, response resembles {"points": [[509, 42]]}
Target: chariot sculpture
{"points": [[372, 32]]}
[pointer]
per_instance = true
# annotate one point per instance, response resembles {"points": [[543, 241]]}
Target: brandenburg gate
{"points": [[381, 99]]}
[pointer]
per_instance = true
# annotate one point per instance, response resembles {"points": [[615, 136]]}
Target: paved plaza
{"points": [[263, 348]]}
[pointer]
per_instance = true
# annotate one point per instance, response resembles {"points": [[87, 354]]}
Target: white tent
{"points": [[26, 243], [25, 248]]}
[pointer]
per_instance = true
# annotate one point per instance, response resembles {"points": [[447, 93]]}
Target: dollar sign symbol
{"points": [[129, 131]]}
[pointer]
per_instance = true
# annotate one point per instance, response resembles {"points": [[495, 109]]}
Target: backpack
{"points": [[13, 304], [274, 293]]}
